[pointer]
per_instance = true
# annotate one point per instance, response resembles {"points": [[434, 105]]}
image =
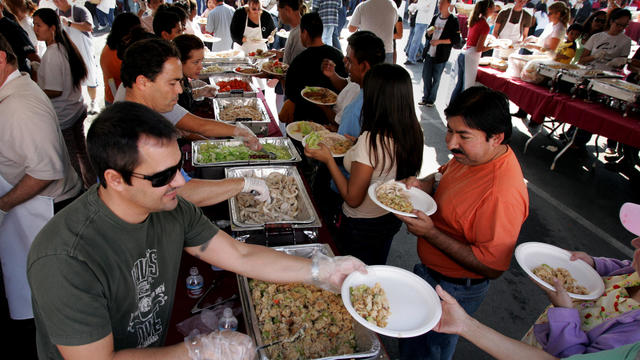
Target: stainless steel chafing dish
{"points": [[227, 56], [554, 69], [578, 76], [234, 93], [307, 216], [225, 68], [259, 127], [195, 152], [616, 88], [367, 342]]}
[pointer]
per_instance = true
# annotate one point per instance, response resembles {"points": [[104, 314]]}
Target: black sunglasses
{"points": [[163, 177]]}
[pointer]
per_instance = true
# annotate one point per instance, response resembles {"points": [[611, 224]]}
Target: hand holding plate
{"points": [[322, 153], [421, 226], [580, 255], [453, 317]]}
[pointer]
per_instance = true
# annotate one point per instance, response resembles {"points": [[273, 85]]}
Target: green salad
{"points": [[313, 139], [213, 153]]}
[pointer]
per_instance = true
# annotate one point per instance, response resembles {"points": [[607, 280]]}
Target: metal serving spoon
{"points": [[292, 338]]}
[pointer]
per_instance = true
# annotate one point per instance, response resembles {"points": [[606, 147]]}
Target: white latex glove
{"points": [[207, 90], [2, 215], [221, 345], [258, 185], [329, 272], [243, 133], [617, 62]]}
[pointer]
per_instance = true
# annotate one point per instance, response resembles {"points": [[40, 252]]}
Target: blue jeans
{"points": [[133, 6], [327, 34], [416, 41], [431, 73], [342, 20], [412, 31], [367, 239], [460, 73], [434, 345], [105, 19]]}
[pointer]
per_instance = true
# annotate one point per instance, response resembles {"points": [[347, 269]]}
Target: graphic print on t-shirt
{"points": [[144, 322]]}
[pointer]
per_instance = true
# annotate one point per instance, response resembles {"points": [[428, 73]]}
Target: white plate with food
{"points": [[543, 261], [246, 70], [202, 21], [319, 95], [275, 67], [212, 69], [412, 307], [338, 144], [394, 196], [210, 38], [299, 129], [261, 54]]}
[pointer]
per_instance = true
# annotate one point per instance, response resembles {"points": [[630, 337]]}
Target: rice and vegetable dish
{"points": [[213, 153], [392, 195], [547, 273], [282, 309], [370, 303]]}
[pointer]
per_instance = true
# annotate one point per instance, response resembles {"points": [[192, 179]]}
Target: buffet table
{"points": [[540, 103], [226, 284]]}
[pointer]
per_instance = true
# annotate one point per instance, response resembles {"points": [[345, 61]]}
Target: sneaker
{"points": [[409, 62], [430, 104], [92, 110]]}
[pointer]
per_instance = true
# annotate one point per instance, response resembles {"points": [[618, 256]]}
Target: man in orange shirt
{"points": [[482, 202]]}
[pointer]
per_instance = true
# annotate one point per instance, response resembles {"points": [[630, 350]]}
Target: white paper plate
{"points": [[308, 88], [414, 305], [266, 69], [533, 254], [296, 135], [283, 33], [419, 199], [246, 67], [328, 134]]}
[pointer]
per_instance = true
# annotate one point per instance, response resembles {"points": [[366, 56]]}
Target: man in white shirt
{"points": [[425, 9], [379, 17], [219, 23]]}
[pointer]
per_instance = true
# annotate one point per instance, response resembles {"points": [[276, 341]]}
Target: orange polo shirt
{"points": [[110, 65], [483, 206]]}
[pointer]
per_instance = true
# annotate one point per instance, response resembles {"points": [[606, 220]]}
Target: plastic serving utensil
{"points": [[292, 338]]}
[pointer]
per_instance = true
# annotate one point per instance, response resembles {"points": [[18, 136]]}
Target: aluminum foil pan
{"points": [[578, 76], [306, 214], [225, 68], [226, 56], [259, 127], [234, 93], [616, 88], [367, 343], [195, 152]]}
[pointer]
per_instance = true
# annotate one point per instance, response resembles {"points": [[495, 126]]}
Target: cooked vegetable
{"points": [[213, 153]]}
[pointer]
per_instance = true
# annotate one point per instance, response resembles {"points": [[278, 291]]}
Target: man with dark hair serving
{"points": [[305, 69], [104, 272], [482, 202]]}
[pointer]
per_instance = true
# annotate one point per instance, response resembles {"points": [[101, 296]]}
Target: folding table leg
{"points": [[526, 145], [564, 149]]}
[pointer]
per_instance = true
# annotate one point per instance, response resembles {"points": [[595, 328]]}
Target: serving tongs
{"points": [[290, 339], [196, 308], [264, 154]]}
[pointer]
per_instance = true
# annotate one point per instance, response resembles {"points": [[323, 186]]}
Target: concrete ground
{"points": [[573, 207]]}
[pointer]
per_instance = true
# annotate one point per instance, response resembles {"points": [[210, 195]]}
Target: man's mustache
{"points": [[457, 151]]}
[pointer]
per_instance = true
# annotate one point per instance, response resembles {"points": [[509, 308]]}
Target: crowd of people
{"points": [[94, 227]]}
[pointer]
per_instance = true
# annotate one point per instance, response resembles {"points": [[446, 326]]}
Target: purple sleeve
{"points": [[611, 267], [561, 336]]}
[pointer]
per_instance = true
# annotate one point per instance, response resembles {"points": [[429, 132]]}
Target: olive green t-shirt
{"points": [[92, 274]]}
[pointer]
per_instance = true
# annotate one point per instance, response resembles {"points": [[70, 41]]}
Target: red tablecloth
{"points": [[464, 30], [540, 102], [633, 30]]}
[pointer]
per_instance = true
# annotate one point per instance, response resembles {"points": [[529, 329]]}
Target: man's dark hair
{"points": [[112, 141], [146, 58], [165, 20], [7, 49], [312, 24], [366, 46], [575, 26], [185, 43], [179, 10], [293, 4], [120, 28], [483, 109]]}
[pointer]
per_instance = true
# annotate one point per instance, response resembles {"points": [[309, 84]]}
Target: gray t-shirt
{"points": [[174, 116], [293, 46], [219, 23], [80, 15], [92, 274]]}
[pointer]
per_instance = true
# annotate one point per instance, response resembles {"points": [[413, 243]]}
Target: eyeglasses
{"points": [[163, 177]]}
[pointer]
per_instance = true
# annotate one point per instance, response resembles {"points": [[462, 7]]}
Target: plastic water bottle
{"points": [[228, 321], [195, 283]]}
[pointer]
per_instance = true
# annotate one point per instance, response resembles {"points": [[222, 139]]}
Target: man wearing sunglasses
{"points": [[103, 273]]}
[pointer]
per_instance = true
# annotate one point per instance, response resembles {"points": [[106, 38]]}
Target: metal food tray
{"points": [[234, 93], [367, 343], [227, 68], [578, 76], [616, 88], [280, 141], [260, 127], [307, 216], [550, 70], [229, 57]]}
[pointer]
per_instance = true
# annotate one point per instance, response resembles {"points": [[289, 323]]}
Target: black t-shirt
{"points": [[19, 41], [305, 70]]}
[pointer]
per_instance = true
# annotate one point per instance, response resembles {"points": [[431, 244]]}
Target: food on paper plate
{"points": [[282, 309], [547, 274], [371, 303], [393, 195], [212, 69], [261, 54], [283, 206], [338, 144], [319, 94], [243, 112], [275, 67], [209, 153], [306, 127], [233, 84], [247, 70]]}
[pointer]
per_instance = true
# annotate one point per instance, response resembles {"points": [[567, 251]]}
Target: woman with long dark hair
{"points": [[594, 24], [109, 62], [389, 147], [60, 76]]}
